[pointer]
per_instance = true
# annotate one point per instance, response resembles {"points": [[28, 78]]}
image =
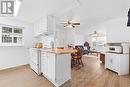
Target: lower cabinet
{"points": [[51, 66], [56, 67], [112, 62], [48, 65], [44, 63], [34, 60], [117, 62]]}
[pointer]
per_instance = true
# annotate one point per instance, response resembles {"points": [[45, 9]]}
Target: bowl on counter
{"points": [[39, 45]]}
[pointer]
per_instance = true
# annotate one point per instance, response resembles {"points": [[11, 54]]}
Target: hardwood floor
{"points": [[92, 74]]}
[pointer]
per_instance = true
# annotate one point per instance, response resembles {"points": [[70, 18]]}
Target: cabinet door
{"points": [[44, 63], [33, 55], [40, 26], [112, 61], [51, 66], [50, 24], [108, 60], [60, 38], [33, 66], [43, 24], [115, 62], [36, 28], [33, 61]]}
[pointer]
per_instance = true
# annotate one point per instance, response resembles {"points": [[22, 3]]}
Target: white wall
{"points": [[75, 38], [15, 56], [79, 39], [117, 30], [101, 29]]}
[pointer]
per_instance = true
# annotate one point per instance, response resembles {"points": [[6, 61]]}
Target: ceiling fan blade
{"points": [[64, 23], [73, 26], [76, 23]]}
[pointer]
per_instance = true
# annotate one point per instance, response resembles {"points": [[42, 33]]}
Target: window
{"points": [[11, 36]]}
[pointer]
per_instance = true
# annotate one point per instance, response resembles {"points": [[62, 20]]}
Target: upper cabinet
{"points": [[60, 38], [44, 25]]}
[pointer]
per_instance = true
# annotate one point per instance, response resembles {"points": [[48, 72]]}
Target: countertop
{"points": [[59, 51]]}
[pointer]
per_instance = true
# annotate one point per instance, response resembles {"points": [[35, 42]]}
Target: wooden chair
{"points": [[77, 58]]}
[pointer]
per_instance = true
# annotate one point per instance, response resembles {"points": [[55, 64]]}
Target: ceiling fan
{"points": [[95, 34], [70, 24]]}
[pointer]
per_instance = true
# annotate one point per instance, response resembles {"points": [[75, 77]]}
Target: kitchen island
{"points": [[55, 65]]}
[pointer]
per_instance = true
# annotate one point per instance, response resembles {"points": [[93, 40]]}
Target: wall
{"points": [[63, 36], [101, 30], [117, 30], [70, 36], [79, 39], [74, 38], [15, 56]]}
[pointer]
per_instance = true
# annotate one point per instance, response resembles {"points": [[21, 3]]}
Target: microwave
{"points": [[114, 49]]}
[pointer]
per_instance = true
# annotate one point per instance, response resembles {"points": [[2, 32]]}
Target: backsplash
{"points": [[46, 40]]}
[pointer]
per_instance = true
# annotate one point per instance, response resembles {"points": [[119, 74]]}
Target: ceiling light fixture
{"points": [[95, 34], [70, 26]]}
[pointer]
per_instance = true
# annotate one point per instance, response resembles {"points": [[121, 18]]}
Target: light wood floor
{"points": [[92, 74]]}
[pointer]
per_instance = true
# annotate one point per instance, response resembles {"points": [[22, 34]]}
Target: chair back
{"points": [[79, 52]]}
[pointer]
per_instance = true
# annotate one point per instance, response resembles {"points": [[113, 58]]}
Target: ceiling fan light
{"points": [[94, 35], [70, 26]]}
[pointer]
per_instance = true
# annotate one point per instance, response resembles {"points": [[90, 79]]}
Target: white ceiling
{"points": [[89, 12], [31, 10]]}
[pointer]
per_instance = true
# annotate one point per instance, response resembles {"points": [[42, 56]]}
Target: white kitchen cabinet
{"points": [[48, 65], [63, 68], [112, 62], [51, 66], [60, 38], [44, 63], [117, 62], [44, 25], [56, 67], [51, 24], [40, 26], [35, 60]]}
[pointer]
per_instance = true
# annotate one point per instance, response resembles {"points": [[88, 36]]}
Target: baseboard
{"points": [[15, 67]]}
